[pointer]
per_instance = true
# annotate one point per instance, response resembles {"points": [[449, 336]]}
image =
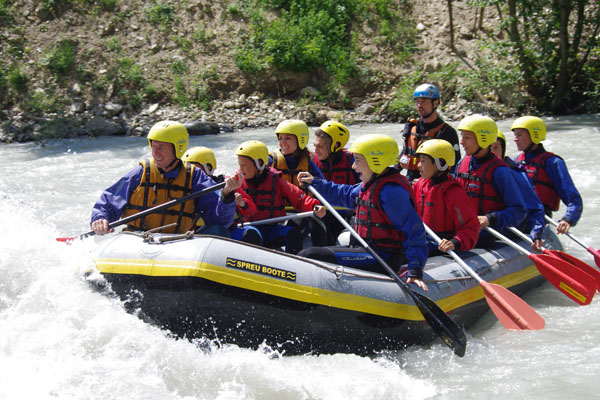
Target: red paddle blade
{"points": [[576, 284], [596, 255], [66, 240], [577, 263], [511, 310]]}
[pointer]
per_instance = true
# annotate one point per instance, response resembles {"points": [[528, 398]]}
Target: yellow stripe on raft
{"points": [[294, 291]]}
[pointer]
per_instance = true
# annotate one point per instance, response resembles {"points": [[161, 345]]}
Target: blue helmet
{"points": [[427, 90]]}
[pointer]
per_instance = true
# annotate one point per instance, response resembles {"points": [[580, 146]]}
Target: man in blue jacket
{"points": [[488, 181], [385, 213], [547, 171], [160, 179], [535, 209]]}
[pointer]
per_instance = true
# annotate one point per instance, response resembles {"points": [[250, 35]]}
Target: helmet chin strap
{"points": [[168, 168]]}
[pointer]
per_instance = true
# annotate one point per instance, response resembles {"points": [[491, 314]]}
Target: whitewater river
{"points": [[61, 339]]}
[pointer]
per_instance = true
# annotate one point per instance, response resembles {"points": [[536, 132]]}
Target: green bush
{"points": [[61, 58], [6, 17], [161, 14], [17, 79], [402, 105]]}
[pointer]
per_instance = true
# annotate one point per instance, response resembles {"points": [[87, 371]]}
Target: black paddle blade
{"points": [[442, 324]]}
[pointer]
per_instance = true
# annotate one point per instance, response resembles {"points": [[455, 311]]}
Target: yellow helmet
{"points": [[381, 151], [170, 132], [202, 155], [337, 132], [255, 150], [294, 127], [483, 127], [438, 149], [502, 140], [534, 125]]}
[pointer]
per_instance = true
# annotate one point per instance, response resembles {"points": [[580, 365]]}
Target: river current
{"points": [[61, 339]]}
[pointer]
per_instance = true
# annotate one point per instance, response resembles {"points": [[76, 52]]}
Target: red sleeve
{"points": [[464, 215], [250, 208], [296, 197]]}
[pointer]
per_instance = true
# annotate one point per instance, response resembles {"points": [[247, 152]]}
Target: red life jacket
{"points": [[269, 203], [341, 171], [430, 200], [372, 224], [413, 141], [536, 170], [154, 190], [478, 184]]}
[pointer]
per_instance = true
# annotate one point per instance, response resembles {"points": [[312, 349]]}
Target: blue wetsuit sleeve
{"points": [[339, 195], [559, 175], [515, 210], [535, 208], [396, 204], [214, 210], [314, 170], [112, 201]]}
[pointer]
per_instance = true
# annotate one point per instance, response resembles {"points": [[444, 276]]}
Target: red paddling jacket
{"points": [[445, 207]]}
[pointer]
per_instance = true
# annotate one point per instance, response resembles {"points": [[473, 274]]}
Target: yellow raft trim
{"points": [[294, 291]]}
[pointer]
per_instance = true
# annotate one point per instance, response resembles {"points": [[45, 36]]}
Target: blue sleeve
{"points": [[314, 170], [395, 202], [559, 175], [535, 208], [515, 210], [212, 206], [113, 200], [339, 195]]}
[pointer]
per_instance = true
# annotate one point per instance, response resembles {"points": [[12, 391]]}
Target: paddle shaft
{"points": [[511, 310], [458, 260], [277, 219], [160, 207], [508, 241], [450, 333], [579, 242]]}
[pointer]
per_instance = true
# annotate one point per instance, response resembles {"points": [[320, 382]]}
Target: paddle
{"points": [[439, 321], [591, 250], [566, 257], [277, 219], [149, 211], [510, 309], [576, 284]]}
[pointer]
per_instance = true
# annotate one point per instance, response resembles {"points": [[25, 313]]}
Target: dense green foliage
{"points": [[316, 36]]}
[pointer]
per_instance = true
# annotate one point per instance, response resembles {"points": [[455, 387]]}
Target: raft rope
{"points": [[153, 237]]}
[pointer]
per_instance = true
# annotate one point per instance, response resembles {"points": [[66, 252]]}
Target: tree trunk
{"points": [[451, 25], [562, 81]]}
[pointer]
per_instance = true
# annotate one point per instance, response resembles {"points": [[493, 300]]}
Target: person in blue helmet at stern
{"points": [[429, 125]]}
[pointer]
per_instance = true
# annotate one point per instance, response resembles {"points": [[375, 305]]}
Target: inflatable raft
{"points": [[216, 288]]}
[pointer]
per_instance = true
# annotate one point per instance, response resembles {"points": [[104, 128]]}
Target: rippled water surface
{"points": [[60, 339]]}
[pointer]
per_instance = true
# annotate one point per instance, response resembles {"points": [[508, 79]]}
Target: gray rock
{"points": [[202, 128], [77, 107], [366, 109], [113, 108], [98, 126]]}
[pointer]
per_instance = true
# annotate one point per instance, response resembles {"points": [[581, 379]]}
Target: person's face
{"points": [[427, 167], [163, 153], [247, 167], [322, 148], [424, 106], [287, 143], [469, 142], [361, 166], [496, 148], [522, 138]]}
